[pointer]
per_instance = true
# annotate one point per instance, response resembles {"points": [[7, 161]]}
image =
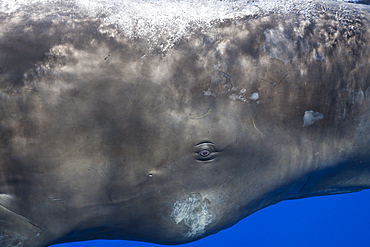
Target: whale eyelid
{"points": [[205, 143]]}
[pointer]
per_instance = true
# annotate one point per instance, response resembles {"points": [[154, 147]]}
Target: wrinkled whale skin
{"points": [[103, 138]]}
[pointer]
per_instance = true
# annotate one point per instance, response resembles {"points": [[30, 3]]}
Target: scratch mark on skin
{"points": [[254, 125], [282, 78], [13, 239], [74, 150], [274, 82], [205, 114], [35, 225], [304, 184], [269, 148], [31, 223], [226, 75]]}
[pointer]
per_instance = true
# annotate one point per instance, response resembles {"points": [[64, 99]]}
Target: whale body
{"points": [[166, 122]]}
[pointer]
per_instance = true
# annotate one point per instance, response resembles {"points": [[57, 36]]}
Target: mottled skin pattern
{"points": [[99, 141]]}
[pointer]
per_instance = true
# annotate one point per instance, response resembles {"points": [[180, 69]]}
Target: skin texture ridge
{"points": [[108, 136]]}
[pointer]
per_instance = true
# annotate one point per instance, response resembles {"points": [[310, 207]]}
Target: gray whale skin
{"points": [[104, 138]]}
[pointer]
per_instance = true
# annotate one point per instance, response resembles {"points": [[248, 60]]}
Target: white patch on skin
{"points": [[233, 96], [222, 47], [238, 97], [163, 22], [359, 96], [318, 56], [192, 212], [254, 96], [208, 93], [279, 45], [310, 117]]}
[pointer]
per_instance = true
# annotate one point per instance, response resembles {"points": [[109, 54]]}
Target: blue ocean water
{"points": [[338, 220]]}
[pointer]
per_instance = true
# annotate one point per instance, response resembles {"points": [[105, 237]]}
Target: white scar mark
{"points": [[12, 239], [310, 117], [254, 125], [205, 114], [254, 96], [193, 212]]}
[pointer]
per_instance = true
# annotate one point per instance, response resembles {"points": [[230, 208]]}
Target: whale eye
{"points": [[205, 151]]}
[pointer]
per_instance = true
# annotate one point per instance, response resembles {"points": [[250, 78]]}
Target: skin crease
{"points": [[99, 143]]}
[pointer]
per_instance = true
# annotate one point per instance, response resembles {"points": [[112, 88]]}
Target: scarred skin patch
{"points": [[193, 212]]}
